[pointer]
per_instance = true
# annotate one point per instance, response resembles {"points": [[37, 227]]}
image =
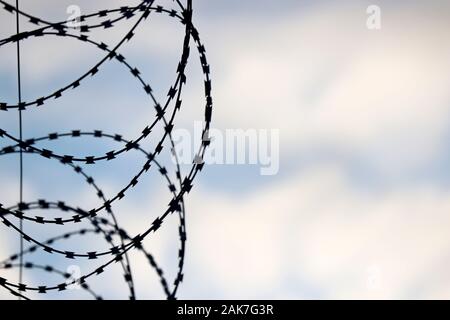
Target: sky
{"points": [[359, 207]]}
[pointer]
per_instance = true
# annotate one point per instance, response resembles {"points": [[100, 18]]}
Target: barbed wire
{"points": [[102, 218]]}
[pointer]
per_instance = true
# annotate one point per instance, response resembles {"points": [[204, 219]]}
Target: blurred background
{"points": [[360, 205]]}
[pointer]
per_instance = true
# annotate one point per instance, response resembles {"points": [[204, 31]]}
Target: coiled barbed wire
{"points": [[102, 217]]}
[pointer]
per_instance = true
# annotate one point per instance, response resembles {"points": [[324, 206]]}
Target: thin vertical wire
{"points": [[19, 94]]}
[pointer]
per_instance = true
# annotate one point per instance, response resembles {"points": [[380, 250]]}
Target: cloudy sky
{"points": [[360, 205]]}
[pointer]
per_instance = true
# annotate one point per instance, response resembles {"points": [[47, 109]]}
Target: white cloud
{"points": [[328, 82], [316, 236]]}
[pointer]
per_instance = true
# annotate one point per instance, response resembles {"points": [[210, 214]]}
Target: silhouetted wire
{"points": [[118, 253]]}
